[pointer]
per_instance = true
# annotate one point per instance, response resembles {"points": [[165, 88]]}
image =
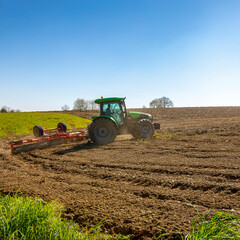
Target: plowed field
{"points": [[142, 188]]}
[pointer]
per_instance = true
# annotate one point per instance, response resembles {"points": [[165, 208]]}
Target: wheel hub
{"points": [[102, 132], [145, 129]]}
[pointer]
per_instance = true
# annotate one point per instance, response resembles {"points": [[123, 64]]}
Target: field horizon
{"points": [[143, 188]]}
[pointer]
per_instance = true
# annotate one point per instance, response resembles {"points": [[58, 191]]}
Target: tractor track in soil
{"points": [[142, 188]]}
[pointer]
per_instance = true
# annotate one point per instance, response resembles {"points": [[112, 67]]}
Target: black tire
{"points": [[144, 129], [38, 131], [135, 132], [62, 127], [102, 131]]}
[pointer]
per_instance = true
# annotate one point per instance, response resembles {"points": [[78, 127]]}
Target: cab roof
{"points": [[111, 99]]}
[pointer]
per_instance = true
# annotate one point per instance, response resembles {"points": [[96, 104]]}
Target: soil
{"points": [[141, 188]]}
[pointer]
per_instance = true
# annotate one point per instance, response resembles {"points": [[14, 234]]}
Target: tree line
{"points": [[83, 105], [6, 109]]}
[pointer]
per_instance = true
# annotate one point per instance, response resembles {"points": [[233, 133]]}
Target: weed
{"points": [[167, 136], [156, 134], [220, 226], [213, 137]]}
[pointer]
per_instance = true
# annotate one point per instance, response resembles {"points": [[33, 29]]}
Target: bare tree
{"points": [[153, 103], [163, 102], [166, 102], [65, 107], [91, 105], [80, 104]]}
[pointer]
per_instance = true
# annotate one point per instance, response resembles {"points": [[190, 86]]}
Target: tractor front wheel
{"points": [[144, 129], [102, 131]]}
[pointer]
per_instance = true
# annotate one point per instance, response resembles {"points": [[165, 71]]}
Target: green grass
{"points": [[22, 123], [220, 225], [29, 219]]}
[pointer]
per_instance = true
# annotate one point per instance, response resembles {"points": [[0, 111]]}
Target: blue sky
{"points": [[55, 51]]}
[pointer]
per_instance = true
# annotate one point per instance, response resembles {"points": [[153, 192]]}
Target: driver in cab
{"points": [[108, 110]]}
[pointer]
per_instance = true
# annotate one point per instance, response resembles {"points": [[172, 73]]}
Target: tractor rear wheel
{"points": [[102, 131], [144, 129]]}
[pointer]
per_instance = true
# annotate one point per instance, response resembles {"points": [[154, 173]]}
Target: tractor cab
{"points": [[113, 108]]}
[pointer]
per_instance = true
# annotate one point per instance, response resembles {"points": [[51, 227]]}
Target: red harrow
{"points": [[48, 137]]}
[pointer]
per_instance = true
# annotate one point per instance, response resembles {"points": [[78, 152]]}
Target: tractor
{"points": [[114, 119]]}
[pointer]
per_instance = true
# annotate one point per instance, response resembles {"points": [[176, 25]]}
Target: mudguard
{"points": [[109, 117]]}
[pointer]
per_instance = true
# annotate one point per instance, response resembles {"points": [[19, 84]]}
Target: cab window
{"points": [[114, 110]]}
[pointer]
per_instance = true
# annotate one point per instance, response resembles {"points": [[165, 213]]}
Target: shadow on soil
{"points": [[77, 148]]}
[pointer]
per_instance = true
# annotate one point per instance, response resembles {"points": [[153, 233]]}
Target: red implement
{"points": [[45, 140]]}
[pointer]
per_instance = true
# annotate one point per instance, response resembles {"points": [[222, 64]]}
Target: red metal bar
{"points": [[50, 129], [81, 135]]}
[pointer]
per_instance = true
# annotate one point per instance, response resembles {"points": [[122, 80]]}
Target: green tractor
{"points": [[114, 119]]}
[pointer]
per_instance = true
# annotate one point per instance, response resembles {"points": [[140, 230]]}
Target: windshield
{"points": [[113, 109]]}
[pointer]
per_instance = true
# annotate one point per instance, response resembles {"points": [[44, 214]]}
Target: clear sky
{"points": [[55, 51]]}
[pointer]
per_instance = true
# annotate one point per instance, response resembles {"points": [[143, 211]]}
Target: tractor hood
{"points": [[140, 115]]}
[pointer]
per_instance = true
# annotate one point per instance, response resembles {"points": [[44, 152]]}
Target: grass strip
{"points": [[21, 123], [31, 219]]}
